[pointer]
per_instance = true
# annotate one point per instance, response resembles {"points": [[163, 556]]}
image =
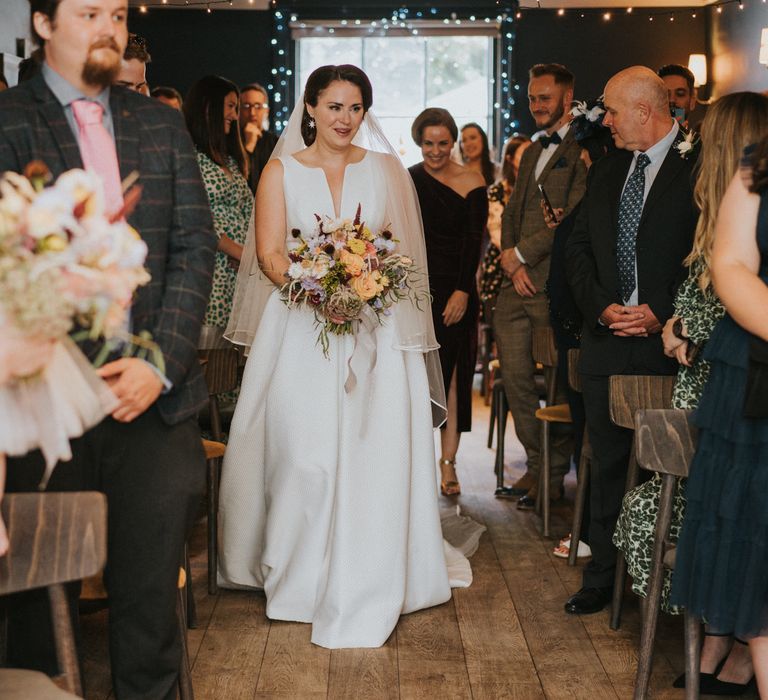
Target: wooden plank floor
{"points": [[504, 637]]}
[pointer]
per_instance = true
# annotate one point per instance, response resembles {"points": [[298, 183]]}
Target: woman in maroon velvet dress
{"points": [[454, 207]]}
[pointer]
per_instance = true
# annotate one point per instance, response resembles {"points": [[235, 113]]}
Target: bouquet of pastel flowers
{"points": [[346, 274], [63, 263]]}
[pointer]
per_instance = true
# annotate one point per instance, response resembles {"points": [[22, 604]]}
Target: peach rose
{"points": [[353, 263], [366, 286]]}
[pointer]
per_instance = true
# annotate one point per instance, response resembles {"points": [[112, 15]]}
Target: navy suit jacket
{"points": [[173, 216], [664, 239]]}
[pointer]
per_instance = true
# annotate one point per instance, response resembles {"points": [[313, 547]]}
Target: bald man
{"points": [[624, 263]]}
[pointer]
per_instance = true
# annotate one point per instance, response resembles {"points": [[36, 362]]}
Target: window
{"points": [[410, 73]]}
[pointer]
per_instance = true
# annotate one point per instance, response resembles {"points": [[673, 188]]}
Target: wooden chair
{"points": [[665, 442], [545, 353], [628, 395], [54, 538], [220, 364], [585, 462], [499, 414]]}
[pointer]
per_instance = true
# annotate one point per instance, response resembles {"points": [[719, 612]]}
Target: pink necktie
{"points": [[97, 149]]}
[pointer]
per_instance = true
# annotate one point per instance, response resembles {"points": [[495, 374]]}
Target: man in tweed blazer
{"points": [[147, 457], [554, 162]]}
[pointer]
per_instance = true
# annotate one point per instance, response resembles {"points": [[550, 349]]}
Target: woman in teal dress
{"points": [[721, 570], [731, 123], [211, 112]]}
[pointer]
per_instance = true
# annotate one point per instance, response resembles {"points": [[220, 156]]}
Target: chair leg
{"points": [[212, 504], [542, 498], [502, 410], [492, 421], [191, 607], [578, 507], [655, 583], [186, 691], [66, 653], [692, 657], [620, 576]]}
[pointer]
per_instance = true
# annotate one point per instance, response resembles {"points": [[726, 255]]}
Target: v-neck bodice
{"points": [[307, 193]]}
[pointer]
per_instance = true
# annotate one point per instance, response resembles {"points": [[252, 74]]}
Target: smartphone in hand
{"points": [[548, 204]]}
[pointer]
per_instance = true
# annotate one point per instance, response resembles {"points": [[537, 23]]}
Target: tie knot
{"points": [[642, 161], [87, 112]]}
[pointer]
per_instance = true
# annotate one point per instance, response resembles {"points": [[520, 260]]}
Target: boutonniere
{"points": [[686, 146]]}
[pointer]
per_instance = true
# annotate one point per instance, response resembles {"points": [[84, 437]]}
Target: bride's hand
{"points": [[455, 308]]}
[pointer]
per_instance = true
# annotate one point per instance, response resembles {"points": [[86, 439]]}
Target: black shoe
{"points": [[588, 601], [526, 503], [714, 686], [704, 678]]}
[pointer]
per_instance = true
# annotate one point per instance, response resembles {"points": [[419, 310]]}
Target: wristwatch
{"points": [[677, 329]]}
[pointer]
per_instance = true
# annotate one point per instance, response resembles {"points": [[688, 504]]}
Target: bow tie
{"points": [[546, 141]]}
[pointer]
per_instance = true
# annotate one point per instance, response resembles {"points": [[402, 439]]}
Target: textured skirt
{"points": [[721, 571]]}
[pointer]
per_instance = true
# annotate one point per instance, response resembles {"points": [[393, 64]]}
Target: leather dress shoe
{"points": [[588, 601], [526, 482], [528, 502]]}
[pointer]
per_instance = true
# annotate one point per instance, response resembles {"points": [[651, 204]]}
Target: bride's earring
{"points": [[311, 123]]}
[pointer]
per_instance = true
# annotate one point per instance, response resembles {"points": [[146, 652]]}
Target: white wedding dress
{"points": [[329, 499]]}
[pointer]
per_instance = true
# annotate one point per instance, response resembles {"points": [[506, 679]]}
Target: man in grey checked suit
{"points": [[147, 457], [554, 162]]}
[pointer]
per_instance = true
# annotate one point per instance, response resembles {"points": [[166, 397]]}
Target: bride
{"points": [[329, 495]]}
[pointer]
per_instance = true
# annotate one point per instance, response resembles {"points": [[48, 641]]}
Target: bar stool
{"points": [[545, 353], [585, 464], [630, 393], [665, 443]]}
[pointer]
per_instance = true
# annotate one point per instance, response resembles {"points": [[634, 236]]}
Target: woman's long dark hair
{"points": [[204, 114], [510, 148], [486, 164], [320, 79]]}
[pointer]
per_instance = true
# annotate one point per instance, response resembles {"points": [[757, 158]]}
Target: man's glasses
{"points": [[247, 106]]}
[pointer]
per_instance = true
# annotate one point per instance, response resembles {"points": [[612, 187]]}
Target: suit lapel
{"points": [[126, 128], [559, 151], [53, 114], [616, 185], [529, 183], [670, 168]]}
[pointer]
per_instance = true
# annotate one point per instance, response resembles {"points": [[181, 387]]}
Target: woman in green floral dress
{"points": [[731, 124], [211, 112]]}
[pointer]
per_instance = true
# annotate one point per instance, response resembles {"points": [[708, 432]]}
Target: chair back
{"points": [[543, 346], [665, 440], [219, 360], [54, 538], [574, 376], [631, 392]]}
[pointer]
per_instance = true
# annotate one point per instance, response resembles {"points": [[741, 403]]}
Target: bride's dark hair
{"points": [[321, 79]]}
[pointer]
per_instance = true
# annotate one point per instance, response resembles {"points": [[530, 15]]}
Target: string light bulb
{"points": [[208, 9], [143, 9], [629, 10], [561, 12], [607, 16]]}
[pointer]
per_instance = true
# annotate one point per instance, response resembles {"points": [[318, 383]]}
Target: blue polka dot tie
{"points": [[630, 210]]}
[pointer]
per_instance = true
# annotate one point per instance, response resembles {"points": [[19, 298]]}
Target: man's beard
{"points": [[101, 72], [556, 117]]}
